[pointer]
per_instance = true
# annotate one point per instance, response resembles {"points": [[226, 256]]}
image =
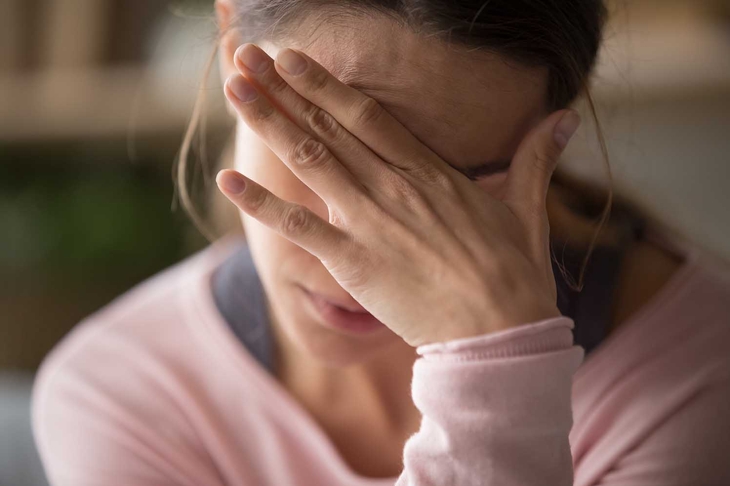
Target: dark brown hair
{"points": [[562, 35]]}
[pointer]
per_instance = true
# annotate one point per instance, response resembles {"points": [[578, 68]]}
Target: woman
{"points": [[394, 315]]}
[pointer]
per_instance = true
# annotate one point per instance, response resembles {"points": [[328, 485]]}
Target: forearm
{"points": [[496, 409]]}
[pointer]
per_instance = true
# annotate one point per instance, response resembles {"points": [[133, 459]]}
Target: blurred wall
{"points": [[92, 111], [662, 88]]}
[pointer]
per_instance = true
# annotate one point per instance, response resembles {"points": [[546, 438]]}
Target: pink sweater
{"points": [[155, 389]]}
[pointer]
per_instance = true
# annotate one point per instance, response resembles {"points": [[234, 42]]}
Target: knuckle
{"points": [[255, 199], [317, 80], [436, 177], [276, 85], [367, 111], [262, 112], [448, 184], [310, 152], [321, 122], [403, 191], [432, 176], [543, 159], [295, 220]]}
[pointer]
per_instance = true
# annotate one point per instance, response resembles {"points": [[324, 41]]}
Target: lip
{"points": [[338, 317], [351, 306]]}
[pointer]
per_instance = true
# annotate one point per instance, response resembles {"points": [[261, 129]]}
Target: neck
{"points": [[375, 392]]}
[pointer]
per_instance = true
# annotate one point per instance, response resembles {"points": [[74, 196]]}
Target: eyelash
{"points": [[470, 174]]}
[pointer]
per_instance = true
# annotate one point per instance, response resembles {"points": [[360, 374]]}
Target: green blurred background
{"points": [[96, 95]]}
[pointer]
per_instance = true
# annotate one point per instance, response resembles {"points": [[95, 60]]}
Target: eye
{"points": [[486, 170]]}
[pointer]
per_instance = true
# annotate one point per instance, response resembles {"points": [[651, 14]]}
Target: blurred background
{"points": [[95, 96]]}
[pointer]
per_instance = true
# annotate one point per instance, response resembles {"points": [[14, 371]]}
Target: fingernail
{"points": [[242, 89], [253, 57], [231, 181], [292, 62], [566, 128]]}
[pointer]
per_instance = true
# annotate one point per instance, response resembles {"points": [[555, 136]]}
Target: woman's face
{"points": [[468, 107]]}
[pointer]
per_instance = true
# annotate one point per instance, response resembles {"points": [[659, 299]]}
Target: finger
{"points": [[258, 67], [292, 221], [535, 161], [361, 115], [308, 158]]}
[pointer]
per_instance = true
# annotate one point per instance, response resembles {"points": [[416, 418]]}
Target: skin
{"points": [[357, 388]]}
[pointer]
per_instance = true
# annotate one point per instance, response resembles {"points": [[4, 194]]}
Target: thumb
{"points": [[535, 161]]}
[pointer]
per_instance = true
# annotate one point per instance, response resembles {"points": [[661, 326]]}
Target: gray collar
{"points": [[240, 297]]}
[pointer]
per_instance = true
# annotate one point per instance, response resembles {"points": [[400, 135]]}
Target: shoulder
{"points": [[142, 317], [682, 331], [684, 311], [110, 397], [651, 403], [688, 446]]}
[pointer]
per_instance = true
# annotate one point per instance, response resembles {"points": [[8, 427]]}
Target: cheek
{"points": [[256, 161]]}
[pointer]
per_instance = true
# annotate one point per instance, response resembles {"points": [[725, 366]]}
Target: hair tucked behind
{"points": [[562, 35]]}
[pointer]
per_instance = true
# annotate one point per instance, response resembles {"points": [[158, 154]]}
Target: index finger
{"points": [[360, 114]]}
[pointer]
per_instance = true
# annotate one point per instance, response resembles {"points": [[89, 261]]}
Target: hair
{"points": [[562, 35]]}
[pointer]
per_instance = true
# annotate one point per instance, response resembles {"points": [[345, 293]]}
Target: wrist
{"points": [[490, 325]]}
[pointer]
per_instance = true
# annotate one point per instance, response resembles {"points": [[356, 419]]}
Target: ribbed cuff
{"points": [[543, 336]]}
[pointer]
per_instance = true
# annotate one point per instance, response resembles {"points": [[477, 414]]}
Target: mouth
{"points": [[353, 319], [350, 306]]}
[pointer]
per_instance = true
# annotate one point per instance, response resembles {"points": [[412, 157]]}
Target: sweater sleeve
{"points": [[496, 409]]}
